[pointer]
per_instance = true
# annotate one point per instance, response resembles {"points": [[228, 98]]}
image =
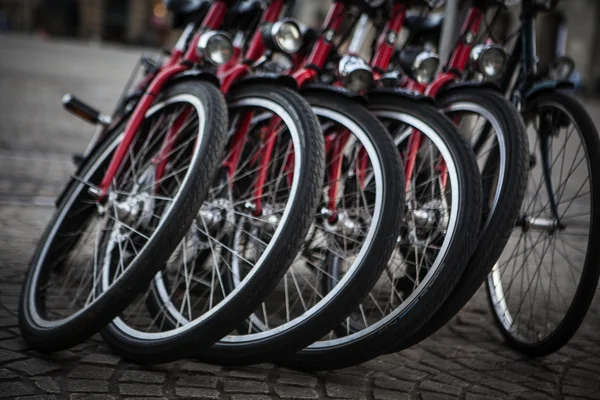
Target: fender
{"points": [[548, 85], [270, 78], [337, 90], [119, 122], [407, 94], [468, 84], [195, 74]]}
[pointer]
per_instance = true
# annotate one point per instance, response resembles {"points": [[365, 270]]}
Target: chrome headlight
{"points": [[425, 66], [355, 73], [287, 35], [562, 68], [216, 47], [489, 59]]}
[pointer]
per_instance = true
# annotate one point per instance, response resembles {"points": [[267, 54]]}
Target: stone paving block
{"points": [[10, 321], [34, 366], [583, 374], [546, 387], [408, 374], [419, 366], [451, 380], [136, 389], [295, 392], [142, 376], [147, 398], [5, 335], [297, 380], [105, 359], [17, 344], [578, 391], [506, 387], [195, 393], [474, 364], [534, 395], [382, 394], [7, 355], [588, 366], [346, 380], [37, 397], [343, 391], [439, 387], [475, 396], [240, 386], [200, 367], [87, 396], [87, 386], [353, 371], [486, 391], [47, 384], [250, 397], [10, 390], [259, 375], [89, 372], [65, 355], [204, 381], [394, 384], [436, 396], [508, 376], [6, 374]]}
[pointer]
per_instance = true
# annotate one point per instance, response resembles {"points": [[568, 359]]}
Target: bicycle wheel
{"points": [[543, 284], [497, 135], [361, 205], [258, 212], [436, 238], [149, 207]]}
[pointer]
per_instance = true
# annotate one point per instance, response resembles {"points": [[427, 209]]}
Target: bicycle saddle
{"points": [[185, 10]]}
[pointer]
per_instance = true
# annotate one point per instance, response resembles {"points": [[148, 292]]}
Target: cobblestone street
{"points": [[467, 359]]}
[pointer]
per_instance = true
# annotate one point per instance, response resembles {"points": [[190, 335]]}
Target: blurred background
{"points": [[146, 23]]}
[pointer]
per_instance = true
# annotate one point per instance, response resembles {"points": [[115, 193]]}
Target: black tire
{"points": [[89, 320], [498, 221], [566, 324], [361, 346], [329, 311], [235, 308]]}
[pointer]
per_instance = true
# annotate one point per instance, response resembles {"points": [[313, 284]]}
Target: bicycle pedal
{"points": [[84, 111]]}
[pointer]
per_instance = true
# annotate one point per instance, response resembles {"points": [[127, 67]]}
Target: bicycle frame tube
{"points": [[322, 49], [256, 49], [380, 63], [230, 75], [181, 59], [387, 40]]}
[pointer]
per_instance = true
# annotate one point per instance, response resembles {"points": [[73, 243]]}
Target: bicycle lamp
{"points": [[285, 35], [216, 47], [425, 67], [562, 68], [355, 73], [489, 59]]}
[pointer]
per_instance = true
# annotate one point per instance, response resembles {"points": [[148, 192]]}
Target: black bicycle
{"points": [[544, 282]]}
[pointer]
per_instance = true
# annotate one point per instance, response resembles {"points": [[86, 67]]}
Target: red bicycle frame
{"points": [[231, 73], [380, 62], [460, 56], [182, 58]]}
